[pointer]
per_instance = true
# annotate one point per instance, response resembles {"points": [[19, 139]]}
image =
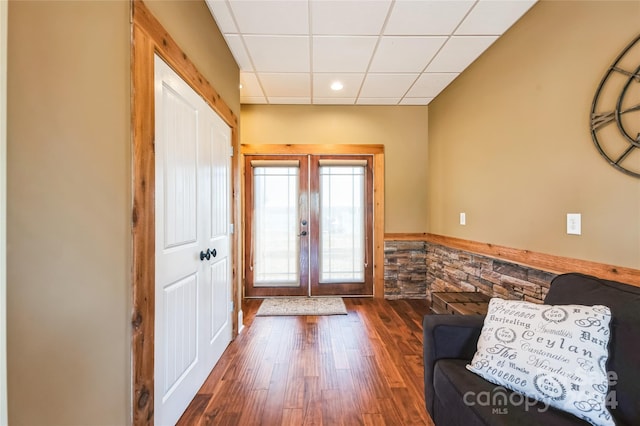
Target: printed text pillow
{"points": [[555, 354]]}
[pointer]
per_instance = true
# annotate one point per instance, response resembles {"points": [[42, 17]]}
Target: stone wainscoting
{"points": [[450, 269], [405, 269], [415, 269]]}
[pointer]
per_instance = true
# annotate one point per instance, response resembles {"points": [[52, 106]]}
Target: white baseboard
{"points": [[240, 321]]}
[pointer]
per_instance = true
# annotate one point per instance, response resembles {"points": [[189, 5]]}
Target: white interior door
{"points": [[217, 217], [193, 280]]}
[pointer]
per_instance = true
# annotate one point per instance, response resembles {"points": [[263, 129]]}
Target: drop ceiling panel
{"points": [[415, 101], [377, 101], [342, 54], [271, 17], [322, 85], [493, 17], [286, 85], [411, 17], [240, 54], [279, 53], [289, 101], [334, 101], [250, 85], [401, 52], [221, 13], [348, 17], [458, 52], [387, 85], [405, 54], [430, 84]]}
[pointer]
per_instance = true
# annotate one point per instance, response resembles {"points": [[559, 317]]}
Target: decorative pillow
{"points": [[555, 354]]}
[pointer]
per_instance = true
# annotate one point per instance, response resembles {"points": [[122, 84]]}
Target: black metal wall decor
{"points": [[617, 100]]}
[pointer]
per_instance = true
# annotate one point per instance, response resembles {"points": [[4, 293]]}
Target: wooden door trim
{"points": [[378, 189], [149, 38], [304, 149]]}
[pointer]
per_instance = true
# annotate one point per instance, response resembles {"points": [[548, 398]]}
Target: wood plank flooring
{"points": [[364, 368]]}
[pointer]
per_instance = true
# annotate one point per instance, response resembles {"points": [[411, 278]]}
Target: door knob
{"points": [[214, 253], [303, 233], [206, 255]]}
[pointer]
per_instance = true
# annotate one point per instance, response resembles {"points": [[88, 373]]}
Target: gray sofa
{"points": [[450, 343]]}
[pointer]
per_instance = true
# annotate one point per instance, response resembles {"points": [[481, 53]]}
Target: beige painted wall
{"points": [[4, 15], [509, 140], [68, 213], [401, 129], [69, 201]]}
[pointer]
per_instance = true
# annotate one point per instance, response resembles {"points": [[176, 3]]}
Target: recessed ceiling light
{"points": [[336, 85]]}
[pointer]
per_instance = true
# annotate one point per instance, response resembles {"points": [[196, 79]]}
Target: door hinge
{"points": [[231, 228], [231, 151], [231, 306]]}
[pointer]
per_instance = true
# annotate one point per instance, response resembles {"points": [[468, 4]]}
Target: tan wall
{"points": [[69, 201], [191, 25], [401, 129], [68, 213], [509, 140]]}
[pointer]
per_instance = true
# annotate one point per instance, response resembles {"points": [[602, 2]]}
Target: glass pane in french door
{"points": [[276, 217], [342, 224]]}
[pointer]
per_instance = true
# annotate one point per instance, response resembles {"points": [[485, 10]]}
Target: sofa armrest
{"points": [[447, 336]]}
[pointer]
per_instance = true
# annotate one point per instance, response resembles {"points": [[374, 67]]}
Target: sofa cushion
{"points": [[556, 354], [463, 398], [624, 345]]}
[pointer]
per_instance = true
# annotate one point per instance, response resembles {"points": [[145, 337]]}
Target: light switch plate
{"points": [[463, 218], [574, 223]]}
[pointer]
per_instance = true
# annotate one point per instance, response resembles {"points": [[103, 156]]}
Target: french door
{"points": [[309, 225]]}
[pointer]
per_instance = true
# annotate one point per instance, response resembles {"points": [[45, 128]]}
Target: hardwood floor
{"points": [[364, 368]]}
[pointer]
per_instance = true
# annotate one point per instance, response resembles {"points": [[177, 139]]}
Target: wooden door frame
{"points": [[149, 38], [378, 190]]}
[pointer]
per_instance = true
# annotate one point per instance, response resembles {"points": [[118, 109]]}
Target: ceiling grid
{"points": [[383, 52]]}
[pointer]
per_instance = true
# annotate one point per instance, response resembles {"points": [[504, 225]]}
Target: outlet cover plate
{"points": [[574, 223]]}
